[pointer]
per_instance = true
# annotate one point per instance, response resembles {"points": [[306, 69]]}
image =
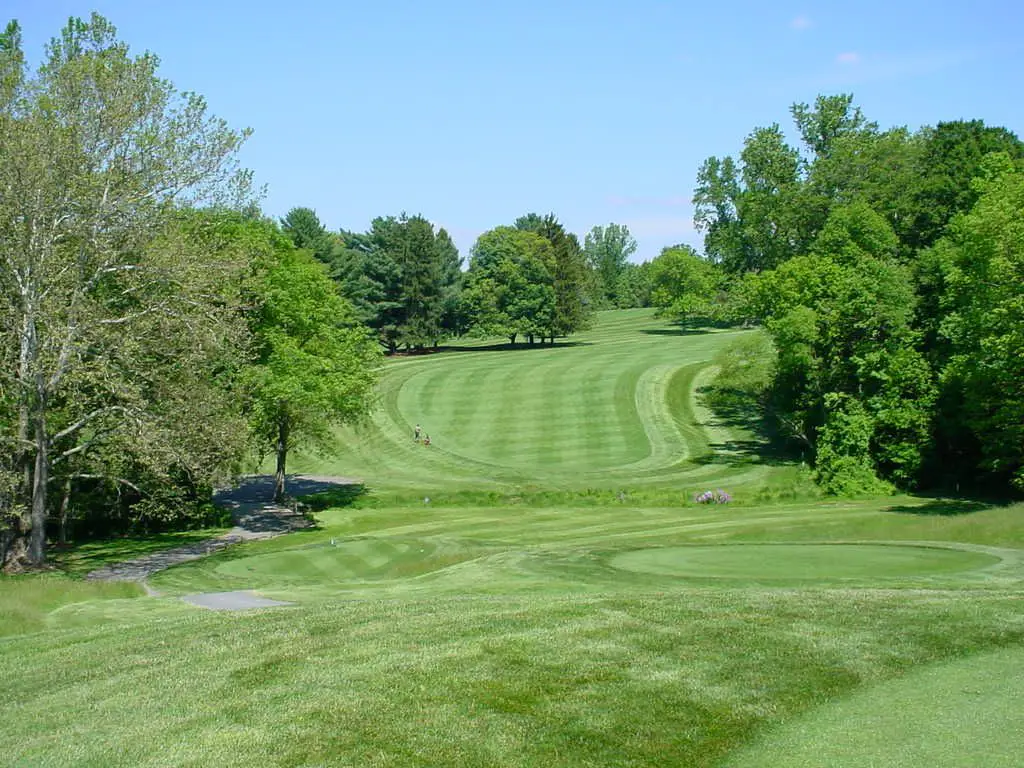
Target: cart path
{"points": [[255, 514]]}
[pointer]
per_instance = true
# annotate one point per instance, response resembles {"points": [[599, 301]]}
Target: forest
{"points": [[159, 334]]}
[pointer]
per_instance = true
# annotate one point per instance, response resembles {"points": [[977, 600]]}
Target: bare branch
{"points": [[86, 419], [121, 480]]}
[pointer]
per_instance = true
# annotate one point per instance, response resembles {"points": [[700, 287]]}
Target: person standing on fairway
{"points": [[416, 433]]}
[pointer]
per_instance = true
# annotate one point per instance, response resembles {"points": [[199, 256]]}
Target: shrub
{"points": [[713, 497]]}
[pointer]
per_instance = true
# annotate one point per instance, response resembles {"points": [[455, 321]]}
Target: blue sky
{"points": [[473, 113]]}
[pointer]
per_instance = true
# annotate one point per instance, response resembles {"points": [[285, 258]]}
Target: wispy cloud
{"points": [[801, 23], [852, 68]]}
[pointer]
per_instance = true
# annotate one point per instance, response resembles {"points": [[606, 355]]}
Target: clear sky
{"points": [[474, 113]]}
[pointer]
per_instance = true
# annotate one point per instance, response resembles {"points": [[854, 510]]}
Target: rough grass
{"points": [[515, 618], [31, 603]]}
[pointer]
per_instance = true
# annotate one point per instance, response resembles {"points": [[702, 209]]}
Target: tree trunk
{"points": [[512, 339], [530, 339], [15, 549], [65, 503], [282, 457], [37, 536], [14, 540]]}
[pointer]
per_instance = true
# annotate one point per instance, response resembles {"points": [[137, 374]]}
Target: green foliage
{"points": [[844, 464], [751, 212], [853, 231], [683, 285], [841, 320], [569, 278], [303, 227], [952, 155], [452, 315], [633, 286], [832, 119], [316, 366], [115, 310], [607, 251], [509, 287], [983, 261], [747, 364], [404, 279]]}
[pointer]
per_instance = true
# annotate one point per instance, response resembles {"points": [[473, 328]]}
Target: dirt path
{"points": [[255, 514]]}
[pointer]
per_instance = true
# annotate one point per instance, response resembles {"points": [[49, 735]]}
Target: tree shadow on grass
{"points": [[742, 412], [755, 451], [503, 347], [943, 507], [675, 331], [694, 327], [82, 557], [338, 496]]}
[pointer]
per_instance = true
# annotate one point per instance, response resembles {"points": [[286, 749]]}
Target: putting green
{"points": [[800, 562], [957, 715]]}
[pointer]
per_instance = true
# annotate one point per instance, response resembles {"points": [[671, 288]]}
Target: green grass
{"points": [[80, 559], [32, 603], [787, 563], [560, 600], [614, 410], [972, 702]]}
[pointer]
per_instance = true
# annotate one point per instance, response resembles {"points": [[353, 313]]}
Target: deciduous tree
{"points": [[99, 155], [607, 251], [509, 287], [316, 365]]}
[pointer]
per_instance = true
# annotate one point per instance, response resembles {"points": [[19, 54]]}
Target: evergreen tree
{"points": [[568, 271]]}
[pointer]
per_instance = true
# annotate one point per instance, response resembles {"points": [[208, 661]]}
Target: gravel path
{"points": [[255, 514]]}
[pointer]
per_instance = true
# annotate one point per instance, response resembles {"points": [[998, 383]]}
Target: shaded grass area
{"points": [[80, 559], [993, 525], [337, 497]]}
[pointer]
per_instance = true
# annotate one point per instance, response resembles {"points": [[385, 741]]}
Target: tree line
{"points": [[531, 280], [887, 269]]}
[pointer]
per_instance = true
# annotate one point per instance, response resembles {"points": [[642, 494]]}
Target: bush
{"points": [[713, 497]]}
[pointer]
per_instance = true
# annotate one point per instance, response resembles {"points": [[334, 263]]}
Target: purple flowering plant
{"points": [[713, 497]]}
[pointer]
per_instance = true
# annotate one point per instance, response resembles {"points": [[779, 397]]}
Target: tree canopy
{"points": [[881, 265], [315, 365]]}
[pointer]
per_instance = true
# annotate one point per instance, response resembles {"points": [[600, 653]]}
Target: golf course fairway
{"points": [[540, 586]]}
